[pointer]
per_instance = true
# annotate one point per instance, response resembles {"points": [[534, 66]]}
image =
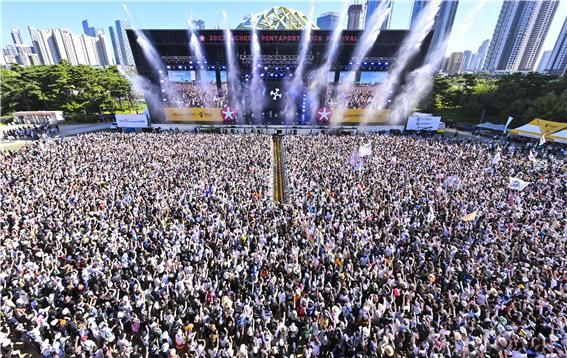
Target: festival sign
{"points": [[208, 115]]}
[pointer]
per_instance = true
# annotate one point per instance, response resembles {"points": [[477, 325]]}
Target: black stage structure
{"points": [[280, 51]]}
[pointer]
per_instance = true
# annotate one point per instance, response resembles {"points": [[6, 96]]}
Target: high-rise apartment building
{"points": [[454, 63], [354, 14], [120, 44], [444, 20], [17, 37], [371, 7], [41, 44], [467, 57], [328, 20], [557, 64], [544, 61], [519, 34], [88, 30]]}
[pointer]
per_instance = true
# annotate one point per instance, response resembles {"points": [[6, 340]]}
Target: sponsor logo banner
{"points": [[131, 120], [418, 123], [193, 114], [356, 115], [549, 127]]}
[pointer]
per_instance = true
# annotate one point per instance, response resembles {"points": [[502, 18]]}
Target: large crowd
{"points": [[167, 245], [359, 96], [197, 96]]}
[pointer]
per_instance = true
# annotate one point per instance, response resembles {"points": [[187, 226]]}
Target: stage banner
{"points": [[356, 116], [131, 121], [419, 123], [193, 114]]}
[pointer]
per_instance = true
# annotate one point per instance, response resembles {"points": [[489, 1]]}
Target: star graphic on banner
{"points": [[276, 94], [324, 114], [228, 114], [202, 38]]}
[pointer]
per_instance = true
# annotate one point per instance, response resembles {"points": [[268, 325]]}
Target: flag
{"points": [[496, 158], [517, 184], [452, 180], [507, 123], [531, 156], [542, 139], [359, 165], [354, 157], [470, 217], [365, 150]]}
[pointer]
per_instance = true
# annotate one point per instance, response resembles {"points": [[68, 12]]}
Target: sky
{"points": [[474, 21]]}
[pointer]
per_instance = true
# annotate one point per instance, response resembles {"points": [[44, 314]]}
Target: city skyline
{"points": [[401, 14]]}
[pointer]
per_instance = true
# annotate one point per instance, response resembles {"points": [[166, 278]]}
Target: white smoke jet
{"points": [[420, 81], [154, 59], [369, 37], [418, 85], [197, 50], [294, 87], [320, 75], [409, 48], [143, 86], [233, 72], [256, 89]]}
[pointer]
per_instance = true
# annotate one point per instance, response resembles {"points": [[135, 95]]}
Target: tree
{"points": [[73, 89]]}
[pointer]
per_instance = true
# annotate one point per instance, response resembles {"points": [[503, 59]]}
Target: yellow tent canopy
{"points": [[554, 131]]}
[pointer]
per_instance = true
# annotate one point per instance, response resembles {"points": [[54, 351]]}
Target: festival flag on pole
{"points": [[531, 156], [359, 165], [507, 123], [470, 217], [542, 139], [517, 184], [496, 158]]}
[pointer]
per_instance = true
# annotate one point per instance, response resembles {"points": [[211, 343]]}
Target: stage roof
{"points": [[278, 48]]}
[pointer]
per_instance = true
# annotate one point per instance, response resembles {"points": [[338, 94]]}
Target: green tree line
{"points": [[471, 97], [73, 89]]}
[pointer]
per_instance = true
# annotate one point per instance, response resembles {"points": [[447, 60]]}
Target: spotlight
{"points": [[168, 67], [265, 67]]}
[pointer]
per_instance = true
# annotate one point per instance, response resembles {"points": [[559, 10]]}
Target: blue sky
{"points": [[174, 14]]}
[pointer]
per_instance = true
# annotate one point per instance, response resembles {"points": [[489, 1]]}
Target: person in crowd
{"points": [[29, 132], [170, 245]]}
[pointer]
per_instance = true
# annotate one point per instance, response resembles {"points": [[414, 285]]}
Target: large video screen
{"points": [[193, 96]]}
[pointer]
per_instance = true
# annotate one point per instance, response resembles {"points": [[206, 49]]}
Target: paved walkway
{"points": [[66, 130]]}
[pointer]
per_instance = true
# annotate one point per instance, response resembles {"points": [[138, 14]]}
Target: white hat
{"points": [[388, 350]]}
